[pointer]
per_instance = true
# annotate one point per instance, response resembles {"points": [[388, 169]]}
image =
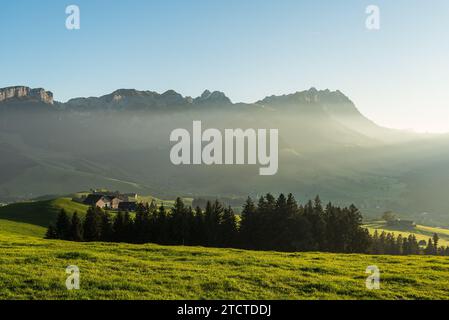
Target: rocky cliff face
{"points": [[26, 93]]}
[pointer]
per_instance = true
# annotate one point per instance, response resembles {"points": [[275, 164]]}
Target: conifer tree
{"points": [[92, 224], [140, 223], [63, 225], [228, 229], [198, 228], [248, 225], [430, 248], [178, 226], [51, 233], [107, 232], [399, 245], [128, 228], [161, 226], [375, 243], [76, 228], [118, 227], [435, 239]]}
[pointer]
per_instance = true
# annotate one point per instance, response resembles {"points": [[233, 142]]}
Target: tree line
{"points": [[279, 224], [388, 243]]}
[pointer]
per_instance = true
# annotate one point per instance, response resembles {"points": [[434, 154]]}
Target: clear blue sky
{"points": [[398, 76]]}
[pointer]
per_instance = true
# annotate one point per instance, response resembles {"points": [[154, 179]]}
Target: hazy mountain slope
{"points": [[340, 108], [121, 141]]}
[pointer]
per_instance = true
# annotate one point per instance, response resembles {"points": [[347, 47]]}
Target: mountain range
{"points": [[121, 141]]}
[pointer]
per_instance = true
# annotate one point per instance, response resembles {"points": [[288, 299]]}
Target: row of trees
{"points": [[388, 243], [215, 226], [272, 224]]}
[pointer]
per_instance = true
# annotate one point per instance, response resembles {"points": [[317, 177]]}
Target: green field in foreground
{"points": [[34, 268]]}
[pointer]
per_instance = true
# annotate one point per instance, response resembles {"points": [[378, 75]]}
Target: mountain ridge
{"points": [[169, 97], [311, 102]]}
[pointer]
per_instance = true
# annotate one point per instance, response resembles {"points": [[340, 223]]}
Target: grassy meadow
{"points": [[34, 268]]}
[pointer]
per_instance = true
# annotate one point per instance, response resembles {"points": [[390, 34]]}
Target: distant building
{"points": [[98, 200], [115, 202], [111, 200], [127, 206]]}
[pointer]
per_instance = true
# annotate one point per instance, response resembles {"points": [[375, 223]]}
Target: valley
{"points": [[121, 142]]}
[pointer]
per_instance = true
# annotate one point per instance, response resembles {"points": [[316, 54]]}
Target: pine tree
{"points": [[414, 245], [198, 228], [141, 223], [406, 246], [375, 243], [92, 224], [63, 226], [188, 226], [228, 229], [399, 245], [117, 227], [435, 239], [212, 220], [178, 232], [51, 233], [383, 243], [248, 225], [430, 250], [107, 233], [299, 233], [291, 206], [128, 228], [315, 215], [161, 226], [357, 240], [76, 230]]}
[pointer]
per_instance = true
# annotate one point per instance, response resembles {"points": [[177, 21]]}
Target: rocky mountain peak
{"points": [[213, 97], [25, 93], [311, 96]]}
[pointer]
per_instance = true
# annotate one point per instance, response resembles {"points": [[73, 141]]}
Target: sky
{"points": [[398, 76]]}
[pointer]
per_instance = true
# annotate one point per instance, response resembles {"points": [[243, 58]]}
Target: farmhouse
{"points": [[111, 200], [98, 200], [127, 206], [115, 203]]}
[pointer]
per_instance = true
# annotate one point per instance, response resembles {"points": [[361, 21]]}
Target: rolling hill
{"points": [[40, 213]]}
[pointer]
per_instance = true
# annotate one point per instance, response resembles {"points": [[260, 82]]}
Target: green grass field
{"points": [[34, 268]]}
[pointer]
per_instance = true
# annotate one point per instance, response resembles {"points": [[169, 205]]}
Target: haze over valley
{"points": [[120, 141]]}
